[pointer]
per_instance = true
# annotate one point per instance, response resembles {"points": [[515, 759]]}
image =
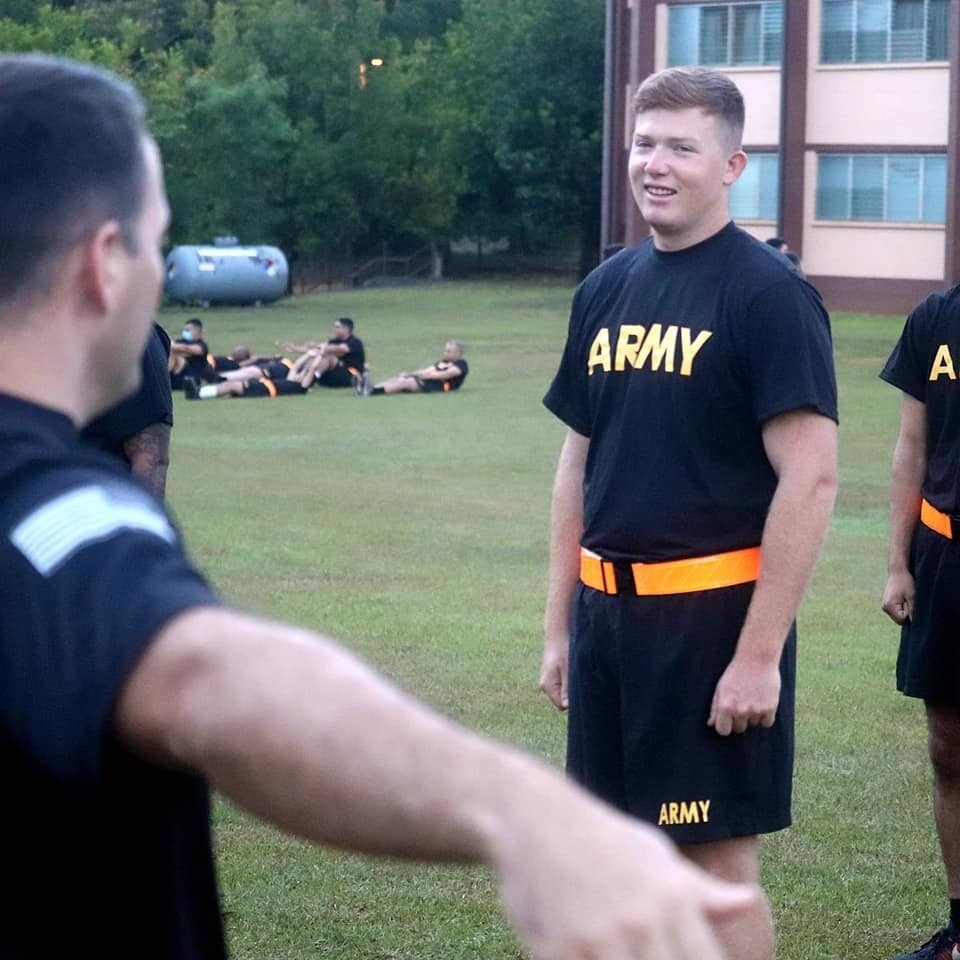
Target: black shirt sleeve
{"points": [[788, 351], [152, 403], [907, 366], [567, 396], [93, 569]]}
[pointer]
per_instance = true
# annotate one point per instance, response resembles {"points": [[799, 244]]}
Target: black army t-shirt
{"points": [[461, 365], [355, 356], [925, 363], [672, 364]]}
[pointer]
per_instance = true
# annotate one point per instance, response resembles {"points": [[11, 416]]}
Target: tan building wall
{"points": [[868, 250], [874, 103], [904, 106], [761, 97]]}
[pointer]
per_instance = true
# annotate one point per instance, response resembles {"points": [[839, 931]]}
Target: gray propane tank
{"points": [[226, 272]]}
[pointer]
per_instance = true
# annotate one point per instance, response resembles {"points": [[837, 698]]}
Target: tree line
{"points": [[335, 128]]}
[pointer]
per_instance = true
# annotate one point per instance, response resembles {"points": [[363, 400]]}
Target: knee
{"points": [[736, 860], [945, 759], [944, 748]]}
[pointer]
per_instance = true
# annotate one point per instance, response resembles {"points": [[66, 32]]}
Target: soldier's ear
{"points": [[103, 259], [736, 163]]}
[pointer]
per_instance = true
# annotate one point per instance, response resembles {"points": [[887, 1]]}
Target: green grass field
{"points": [[415, 528]]}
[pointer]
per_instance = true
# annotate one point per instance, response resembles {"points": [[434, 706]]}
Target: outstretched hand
{"points": [[633, 898]]}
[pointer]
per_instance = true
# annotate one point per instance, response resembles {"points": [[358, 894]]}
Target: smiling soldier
{"points": [[691, 498]]}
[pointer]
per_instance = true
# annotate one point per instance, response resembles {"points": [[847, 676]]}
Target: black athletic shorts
{"points": [[265, 387], [206, 374], [928, 664], [642, 676], [338, 376], [435, 386], [276, 369]]}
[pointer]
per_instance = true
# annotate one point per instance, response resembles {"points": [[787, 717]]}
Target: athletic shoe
{"points": [[943, 945], [191, 388]]}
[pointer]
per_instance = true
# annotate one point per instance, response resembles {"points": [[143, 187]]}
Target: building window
{"points": [[897, 187], [755, 194], [725, 34], [884, 31]]}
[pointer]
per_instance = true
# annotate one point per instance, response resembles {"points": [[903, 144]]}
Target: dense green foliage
{"points": [[482, 121]]}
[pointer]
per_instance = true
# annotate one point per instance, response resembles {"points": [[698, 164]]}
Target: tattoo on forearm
{"points": [[149, 455]]}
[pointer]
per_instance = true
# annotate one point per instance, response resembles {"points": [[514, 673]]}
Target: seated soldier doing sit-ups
{"points": [[273, 368], [342, 357], [447, 374], [189, 356], [238, 357], [283, 378]]}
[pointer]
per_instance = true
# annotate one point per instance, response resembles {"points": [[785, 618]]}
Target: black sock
{"points": [[376, 391], [955, 913]]}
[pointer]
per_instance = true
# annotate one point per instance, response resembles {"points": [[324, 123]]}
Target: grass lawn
{"points": [[415, 529]]}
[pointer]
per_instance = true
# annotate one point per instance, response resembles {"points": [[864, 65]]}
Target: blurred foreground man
{"points": [[127, 687], [691, 499]]}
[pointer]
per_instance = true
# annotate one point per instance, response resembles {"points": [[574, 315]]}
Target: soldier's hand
{"points": [[594, 884], [747, 695], [898, 596], [553, 671]]}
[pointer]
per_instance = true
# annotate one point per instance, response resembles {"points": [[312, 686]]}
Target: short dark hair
{"points": [[196, 321], [345, 322], [71, 158], [778, 242], [683, 88]]}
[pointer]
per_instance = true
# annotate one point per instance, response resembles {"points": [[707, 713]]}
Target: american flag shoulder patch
{"points": [[55, 530]]}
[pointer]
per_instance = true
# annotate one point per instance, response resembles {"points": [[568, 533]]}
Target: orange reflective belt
{"points": [[674, 576], [936, 520], [270, 385]]}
